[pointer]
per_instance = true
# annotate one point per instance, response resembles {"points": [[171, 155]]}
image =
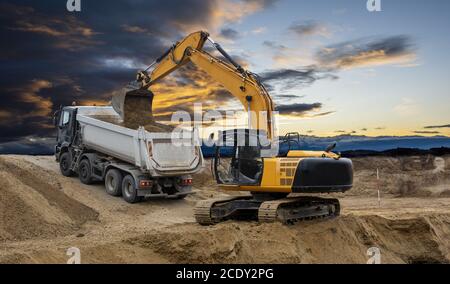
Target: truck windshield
{"points": [[65, 118]]}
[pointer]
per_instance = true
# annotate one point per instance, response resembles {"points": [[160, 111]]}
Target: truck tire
{"points": [[64, 164], [129, 190], [113, 182], [85, 172]]}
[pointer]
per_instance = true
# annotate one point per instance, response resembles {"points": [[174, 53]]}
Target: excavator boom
{"points": [[242, 84]]}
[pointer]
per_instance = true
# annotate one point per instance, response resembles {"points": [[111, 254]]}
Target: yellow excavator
{"points": [[254, 166]]}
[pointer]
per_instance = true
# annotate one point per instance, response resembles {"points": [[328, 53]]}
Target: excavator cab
{"points": [[238, 159]]}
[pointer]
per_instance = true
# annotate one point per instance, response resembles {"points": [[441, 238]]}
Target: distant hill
{"points": [[382, 143], [29, 146], [397, 152], [349, 144]]}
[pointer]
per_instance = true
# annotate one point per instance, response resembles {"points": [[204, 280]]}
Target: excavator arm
{"points": [[242, 84]]}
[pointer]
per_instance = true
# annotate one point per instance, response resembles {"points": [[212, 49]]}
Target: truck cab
{"points": [[65, 123]]}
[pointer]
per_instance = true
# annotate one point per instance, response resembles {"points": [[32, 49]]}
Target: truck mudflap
{"points": [[323, 175]]}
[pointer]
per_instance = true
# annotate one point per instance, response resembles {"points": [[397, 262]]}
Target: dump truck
{"points": [[133, 163]]}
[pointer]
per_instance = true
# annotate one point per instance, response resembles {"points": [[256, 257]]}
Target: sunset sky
{"points": [[332, 66]]}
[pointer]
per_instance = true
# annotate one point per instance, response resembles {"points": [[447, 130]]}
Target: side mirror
{"points": [[330, 147]]}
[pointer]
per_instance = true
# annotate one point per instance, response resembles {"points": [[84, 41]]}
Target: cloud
{"points": [[223, 12], [364, 129], [334, 58], [275, 46], [368, 52], [134, 29], [63, 32], [53, 58], [323, 114], [294, 78], [229, 33], [426, 132], [26, 110], [281, 54], [4, 114], [301, 110], [30, 94], [308, 28], [437, 126], [345, 133], [259, 30]]}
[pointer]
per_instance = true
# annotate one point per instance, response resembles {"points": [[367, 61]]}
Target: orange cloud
{"points": [[186, 87], [29, 94], [134, 29], [373, 58], [6, 117], [226, 11], [368, 52]]}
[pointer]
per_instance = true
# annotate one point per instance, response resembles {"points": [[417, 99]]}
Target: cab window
{"points": [[65, 118]]}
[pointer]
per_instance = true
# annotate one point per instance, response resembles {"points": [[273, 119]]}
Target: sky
{"points": [[332, 67]]}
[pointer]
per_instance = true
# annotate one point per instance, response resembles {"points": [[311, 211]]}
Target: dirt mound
{"points": [[402, 176], [342, 240], [33, 205]]}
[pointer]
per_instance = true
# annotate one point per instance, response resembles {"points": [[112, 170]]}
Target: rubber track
{"points": [[202, 210], [268, 211]]}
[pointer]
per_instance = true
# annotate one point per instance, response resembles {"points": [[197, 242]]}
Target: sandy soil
{"points": [[42, 214]]}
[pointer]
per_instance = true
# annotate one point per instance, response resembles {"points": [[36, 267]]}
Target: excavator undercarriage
{"points": [[285, 210]]}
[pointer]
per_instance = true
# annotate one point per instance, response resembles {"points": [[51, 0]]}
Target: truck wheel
{"points": [[84, 171], [64, 164], [129, 190], [113, 182]]}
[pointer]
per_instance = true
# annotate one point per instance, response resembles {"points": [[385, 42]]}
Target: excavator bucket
{"points": [[134, 105]]}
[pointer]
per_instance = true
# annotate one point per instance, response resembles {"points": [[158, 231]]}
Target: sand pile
{"points": [[33, 205], [403, 176]]}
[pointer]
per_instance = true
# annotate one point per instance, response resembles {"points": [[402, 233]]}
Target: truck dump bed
{"points": [[159, 153]]}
